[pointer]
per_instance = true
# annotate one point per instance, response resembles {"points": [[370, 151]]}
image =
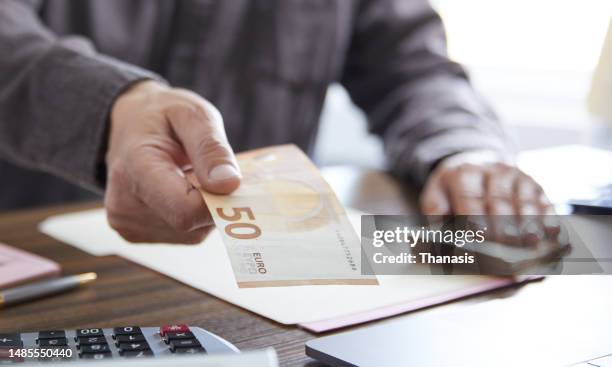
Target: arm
{"points": [[55, 97], [434, 126], [416, 99], [93, 120]]}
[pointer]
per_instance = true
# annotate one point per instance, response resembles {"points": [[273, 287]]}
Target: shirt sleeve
{"points": [[418, 100], [55, 97]]}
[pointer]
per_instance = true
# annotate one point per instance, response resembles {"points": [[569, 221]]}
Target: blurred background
{"points": [[533, 59]]}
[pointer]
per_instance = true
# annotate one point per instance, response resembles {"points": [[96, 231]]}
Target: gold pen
{"points": [[44, 288]]}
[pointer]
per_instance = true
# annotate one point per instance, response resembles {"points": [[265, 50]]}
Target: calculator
{"points": [[104, 343]]}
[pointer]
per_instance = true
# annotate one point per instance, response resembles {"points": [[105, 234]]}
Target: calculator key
{"points": [[137, 353], [89, 332], [51, 334], [10, 335], [176, 336], [95, 348], [173, 328], [184, 343], [190, 350], [11, 340], [129, 339], [87, 340], [126, 330], [97, 355], [59, 342], [124, 347]]}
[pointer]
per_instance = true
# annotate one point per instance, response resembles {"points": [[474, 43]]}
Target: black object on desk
{"points": [[602, 204]]}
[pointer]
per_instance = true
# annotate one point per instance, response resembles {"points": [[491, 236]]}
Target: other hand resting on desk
{"points": [[482, 183]]}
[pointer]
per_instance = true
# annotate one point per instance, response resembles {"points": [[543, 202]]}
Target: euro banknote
{"points": [[284, 225]]}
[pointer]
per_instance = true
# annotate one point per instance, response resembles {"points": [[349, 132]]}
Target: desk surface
{"points": [[126, 293]]}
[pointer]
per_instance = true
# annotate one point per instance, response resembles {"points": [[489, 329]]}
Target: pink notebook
{"points": [[18, 266]]}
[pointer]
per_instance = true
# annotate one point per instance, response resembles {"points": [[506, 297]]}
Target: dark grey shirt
{"points": [[266, 64]]}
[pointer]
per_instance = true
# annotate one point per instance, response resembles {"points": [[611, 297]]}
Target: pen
{"points": [[45, 288]]}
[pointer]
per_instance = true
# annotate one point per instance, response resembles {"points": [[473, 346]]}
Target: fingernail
{"points": [[223, 172]]}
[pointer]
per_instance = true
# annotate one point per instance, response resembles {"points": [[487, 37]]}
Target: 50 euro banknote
{"points": [[284, 225]]}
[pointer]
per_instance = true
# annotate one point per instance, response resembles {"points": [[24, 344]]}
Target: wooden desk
{"points": [[127, 293]]}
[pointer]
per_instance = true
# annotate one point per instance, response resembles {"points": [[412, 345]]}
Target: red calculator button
{"points": [[173, 329]]}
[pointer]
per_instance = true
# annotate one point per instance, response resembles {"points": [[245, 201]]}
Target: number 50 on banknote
{"points": [[284, 225]]}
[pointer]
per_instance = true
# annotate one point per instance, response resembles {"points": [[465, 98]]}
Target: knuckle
{"points": [[186, 93], [468, 177], [442, 173], [466, 167], [458, 175], [463, 170], [195, 112], [199, 112], [177, 112], [180, 110], [186, 105], [504, 166], [177, 95]]}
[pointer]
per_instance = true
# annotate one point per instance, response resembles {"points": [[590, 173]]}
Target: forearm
{"points": [[438, 117], [55, 97], [418, 100]]}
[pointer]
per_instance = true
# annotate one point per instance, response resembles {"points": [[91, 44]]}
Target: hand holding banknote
{"points": [[155, 130]]}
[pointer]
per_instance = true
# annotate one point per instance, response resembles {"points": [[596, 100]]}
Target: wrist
{"points": [[476, 157], [135, 93], [126, 107]]}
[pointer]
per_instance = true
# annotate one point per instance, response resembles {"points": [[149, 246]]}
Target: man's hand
{"points": [[156, 130], [482, 184]]}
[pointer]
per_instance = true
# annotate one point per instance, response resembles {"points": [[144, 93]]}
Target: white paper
{"points": [[207, 267]]}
